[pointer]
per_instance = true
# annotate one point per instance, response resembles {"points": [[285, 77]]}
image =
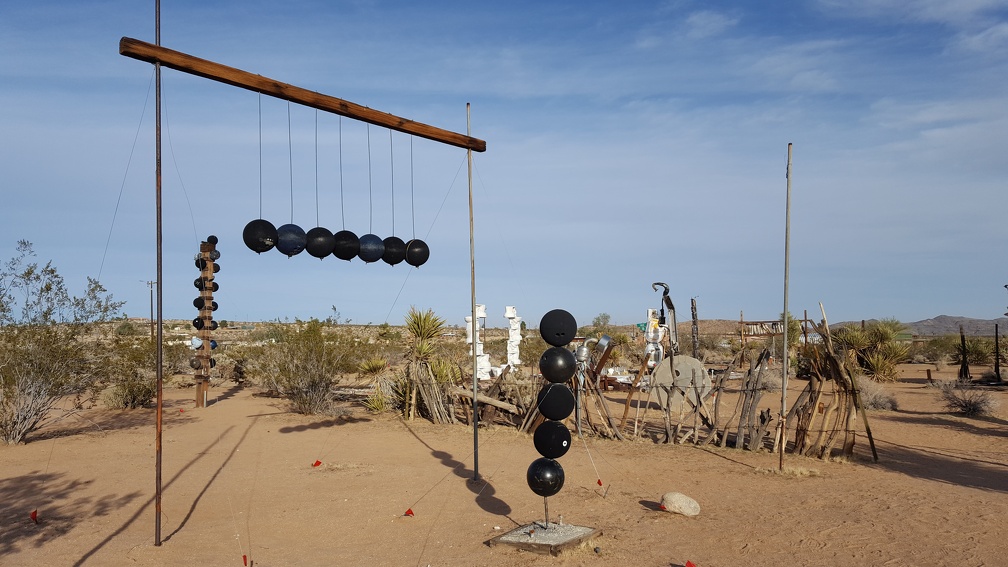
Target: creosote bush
{"points": [[967, 399], [46, 352], [303, 365], [875, 397]]}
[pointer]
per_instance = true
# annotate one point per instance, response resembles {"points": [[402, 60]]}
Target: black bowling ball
{"points": [[347, 245], [371, 248], [552, 439], [557, 327], [545, 477], [557, 364], [417, 252], [197, 323], [291, 239], [395, 250], [555, 401], [260, 236], [320, 242], [211, 240], [198, 282]]}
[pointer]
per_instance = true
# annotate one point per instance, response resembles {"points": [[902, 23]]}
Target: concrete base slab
{"points": [[537, 537]]}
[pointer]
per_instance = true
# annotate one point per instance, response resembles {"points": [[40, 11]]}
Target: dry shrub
{"points": [[875, 397], [963, 397], [794, 472], [302, 366]]}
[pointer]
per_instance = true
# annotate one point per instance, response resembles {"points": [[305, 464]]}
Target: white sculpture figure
{"points": [[514, 336], [654, 334], [473, 338]]}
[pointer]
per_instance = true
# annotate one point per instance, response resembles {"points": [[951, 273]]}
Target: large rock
{"points": [[679, 503]]}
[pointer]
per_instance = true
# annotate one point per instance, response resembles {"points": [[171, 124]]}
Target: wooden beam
{"points": [[236, 77]]}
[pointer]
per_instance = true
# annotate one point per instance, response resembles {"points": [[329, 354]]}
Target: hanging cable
{"points": [[122, 186], [178, 173], [342, 213], [316, 170], [290, 160], [412, 206], [392, 177], [260, 155], [370, 199]]}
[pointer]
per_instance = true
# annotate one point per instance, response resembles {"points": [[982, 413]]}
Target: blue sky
{"points": [[625, 145]]}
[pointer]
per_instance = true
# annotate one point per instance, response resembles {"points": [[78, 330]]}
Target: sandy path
{"points": [[238, 481]]}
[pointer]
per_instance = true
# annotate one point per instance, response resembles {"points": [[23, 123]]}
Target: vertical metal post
{"points": [[160, 327], [787, 259], [150, 287], [475, 321]]}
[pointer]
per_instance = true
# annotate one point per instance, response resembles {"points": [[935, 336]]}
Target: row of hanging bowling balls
{"points": [[261, 236]]}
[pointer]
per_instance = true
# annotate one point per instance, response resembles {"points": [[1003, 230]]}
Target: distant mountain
{"points": [[948, 325]]}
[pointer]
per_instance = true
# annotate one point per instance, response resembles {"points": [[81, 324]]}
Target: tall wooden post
{"points": [[997, 353], [964, 371], [205, 323]]}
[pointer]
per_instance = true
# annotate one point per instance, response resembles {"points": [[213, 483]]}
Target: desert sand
{"points": [[239, 487]]}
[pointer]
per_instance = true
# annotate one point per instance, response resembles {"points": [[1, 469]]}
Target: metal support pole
{"points": [[475, 321], [160, 326], [787, 259]]}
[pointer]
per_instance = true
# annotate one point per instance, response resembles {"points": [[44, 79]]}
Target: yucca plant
{"points": [[978, 351], [876, 348], [372, 367], [423, 389], [423, 326]]}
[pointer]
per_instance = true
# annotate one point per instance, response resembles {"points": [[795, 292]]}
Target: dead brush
{"points": [[967, 399]]}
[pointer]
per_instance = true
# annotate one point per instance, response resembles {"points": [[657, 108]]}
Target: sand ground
{"points": [[238, 481]]}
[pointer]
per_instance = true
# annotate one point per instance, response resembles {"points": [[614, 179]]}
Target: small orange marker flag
{"points": [[661, 506], [690, 564], [409, 512], [34, 515], [600, 482], [316, 463], [181, 410], [245, 560]]}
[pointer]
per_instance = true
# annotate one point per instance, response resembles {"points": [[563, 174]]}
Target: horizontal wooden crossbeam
{"points": [[236, 77]]}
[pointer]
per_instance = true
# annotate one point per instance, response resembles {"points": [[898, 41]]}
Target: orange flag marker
{"points": [[34, 515], [409, 512], [316, 463]]}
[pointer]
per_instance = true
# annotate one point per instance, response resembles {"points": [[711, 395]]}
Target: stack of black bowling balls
{"points": [[555, 402]]}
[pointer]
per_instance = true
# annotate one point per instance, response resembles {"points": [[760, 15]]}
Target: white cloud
{"points": [[704, 24], [991, 40], [956, 13]]}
